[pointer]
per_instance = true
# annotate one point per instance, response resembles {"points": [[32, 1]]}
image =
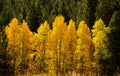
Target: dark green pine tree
{"points": [[4, 57], [50, 9], [114, 38], [105, 9], [70, 10], [1, 8], [83, 12], [13, 8], [39, 11], [20, 9], [6, 13], [1, 5], [33, 15], [92, 4]]}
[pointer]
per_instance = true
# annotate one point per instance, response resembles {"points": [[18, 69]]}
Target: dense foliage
{"points": [[60, 50], [47, 42]]}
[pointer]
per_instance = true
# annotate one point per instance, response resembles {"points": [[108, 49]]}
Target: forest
{"points": [[59, 37]]}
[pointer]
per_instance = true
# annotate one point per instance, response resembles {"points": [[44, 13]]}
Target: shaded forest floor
{"points": [[51, 74]]}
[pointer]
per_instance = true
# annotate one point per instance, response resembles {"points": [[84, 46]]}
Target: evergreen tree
{"points": [[7, 12], [114, 39], [83, 12], [4, 57], [92, 6], [105, 9], [20, 9]]}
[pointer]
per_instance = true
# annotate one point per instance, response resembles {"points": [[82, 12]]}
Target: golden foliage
{"points": [[60, 49], [100, 41]]}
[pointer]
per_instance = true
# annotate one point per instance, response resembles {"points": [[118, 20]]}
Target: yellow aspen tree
{"points": [[84, 48], [27, 37], [27, 44], [51, 47], [59, 28], [101, 42], [12, 32], [41, 46], [69, 47]]}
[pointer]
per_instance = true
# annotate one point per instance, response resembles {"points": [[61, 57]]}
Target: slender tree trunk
{"points": [[57, 61], [22, 53], [63, 65], [44, 48], [60, 65]]}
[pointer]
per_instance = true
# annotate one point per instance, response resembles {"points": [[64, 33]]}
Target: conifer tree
{"points": [[83, 11], [114, 40], [7, 12], [105, 9], [4, 57]]}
